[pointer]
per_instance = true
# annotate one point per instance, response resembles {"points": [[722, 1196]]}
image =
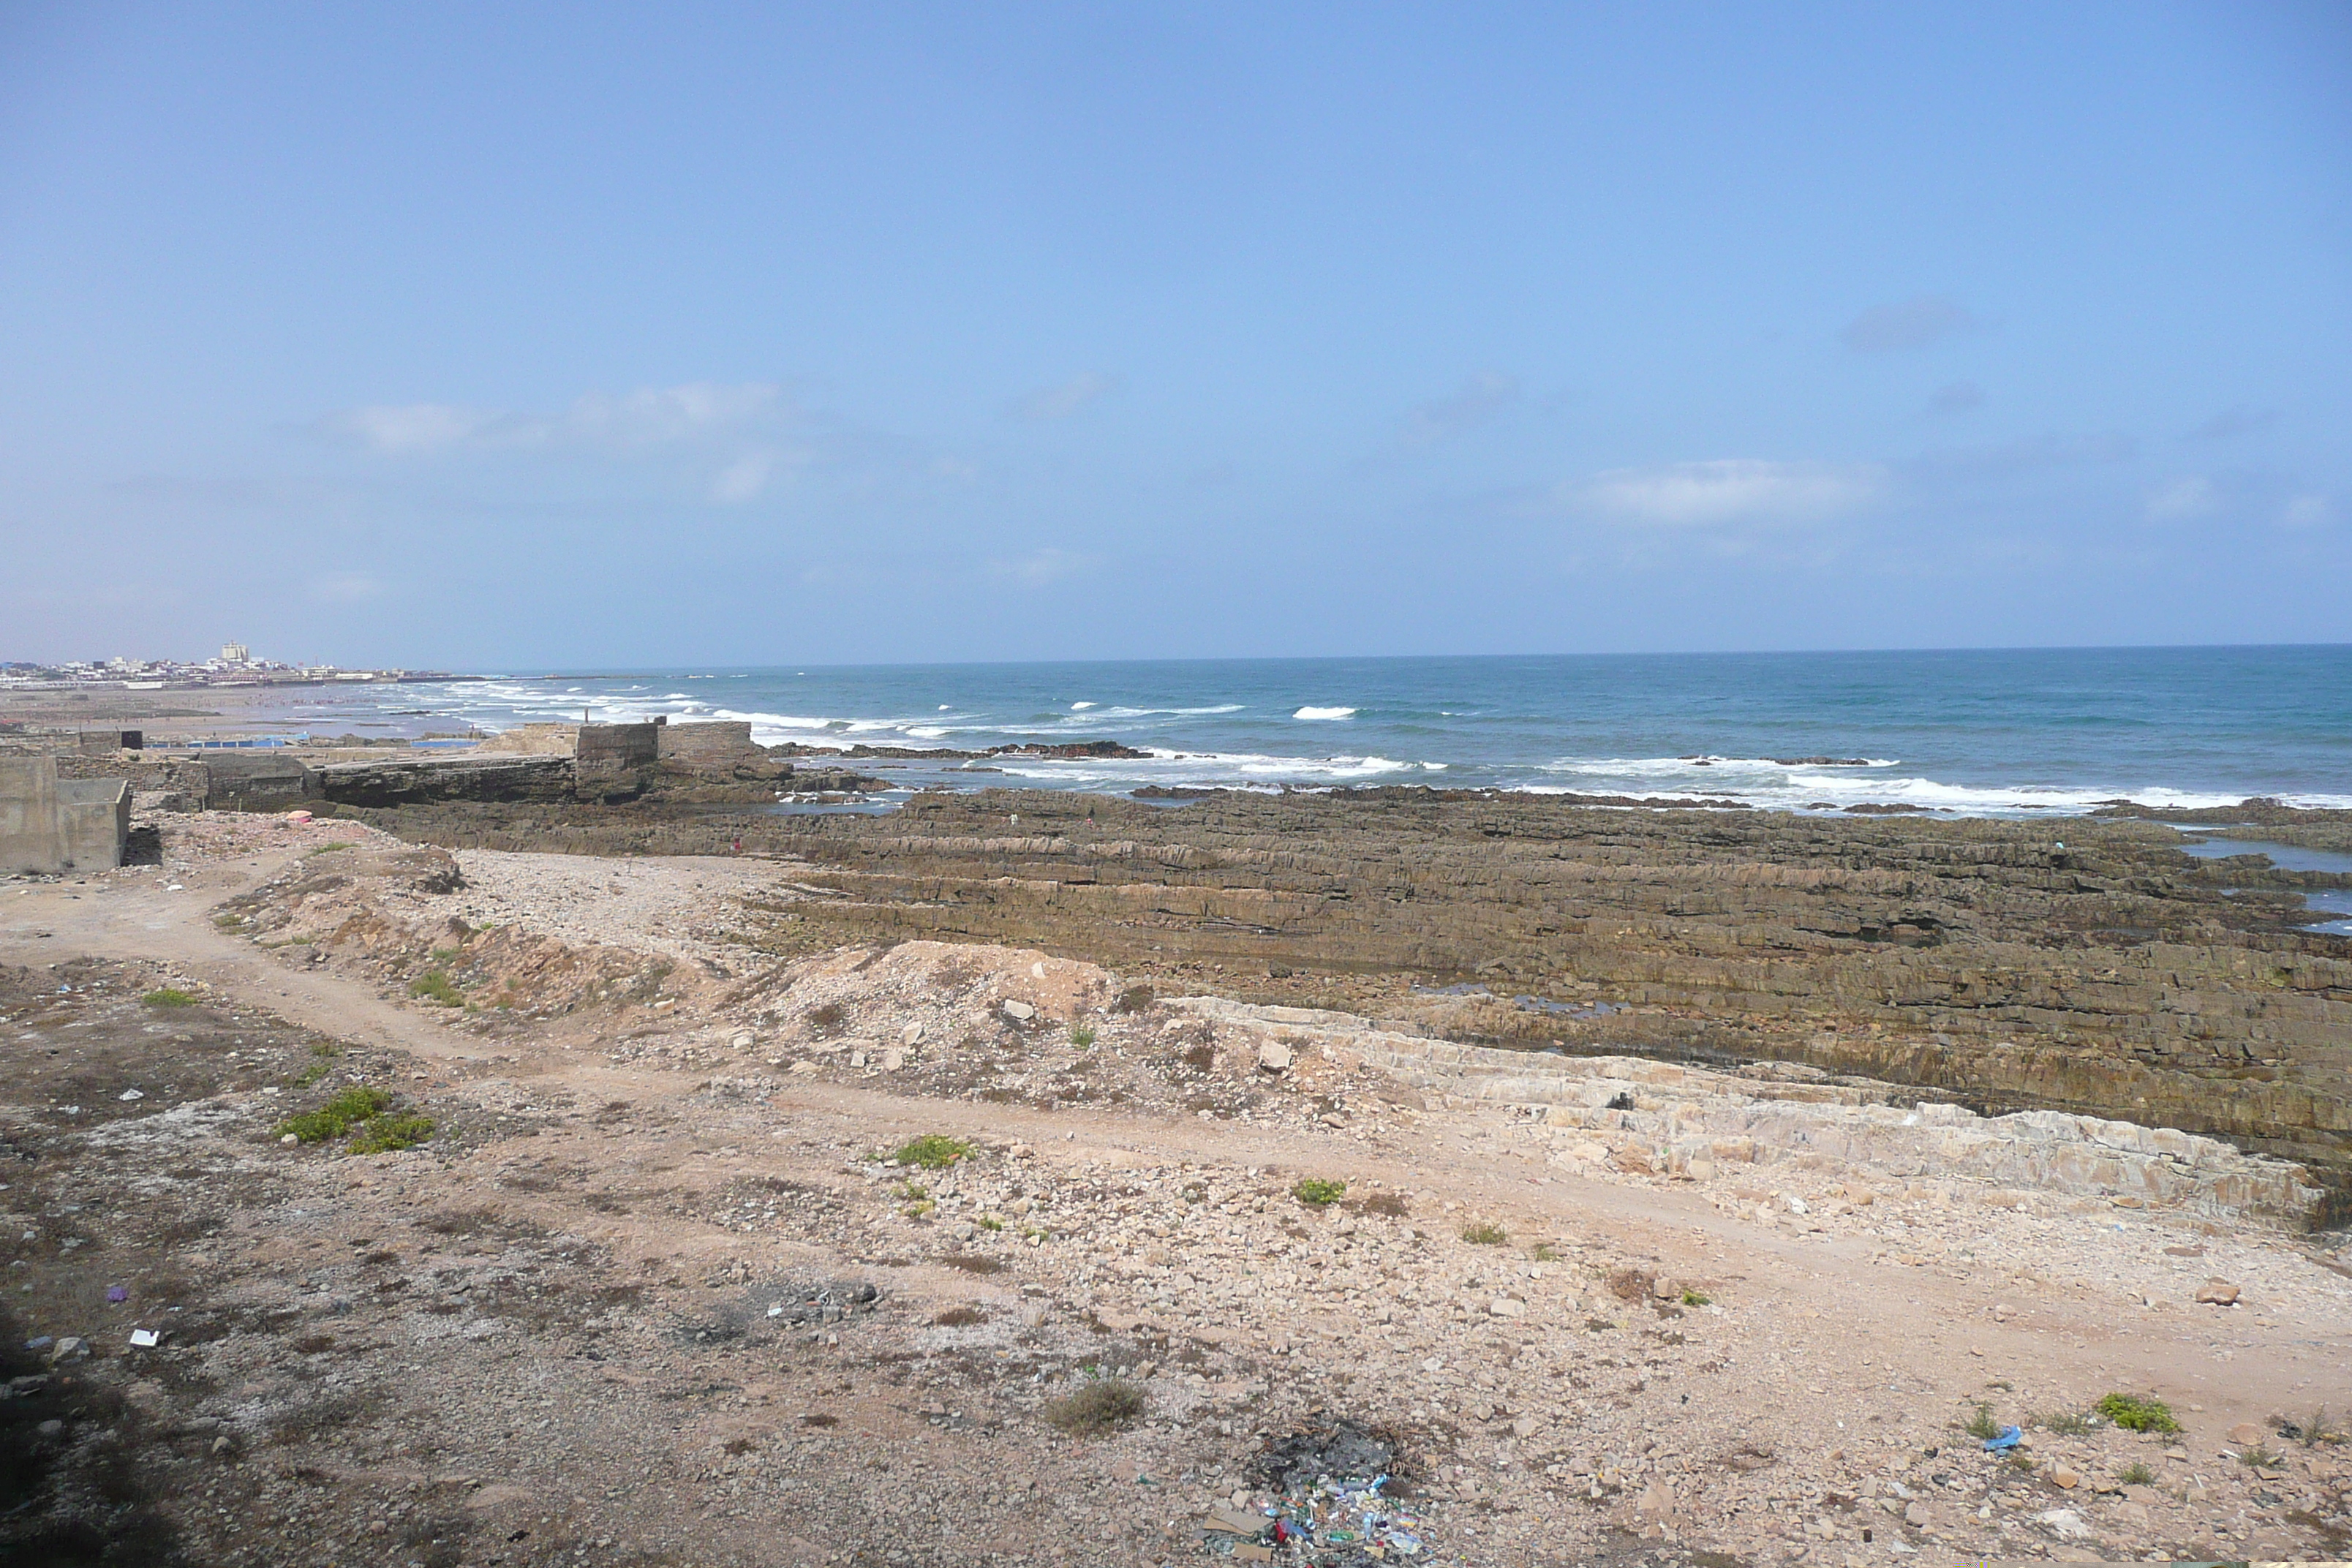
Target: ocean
{"points": [[2000, 732]]}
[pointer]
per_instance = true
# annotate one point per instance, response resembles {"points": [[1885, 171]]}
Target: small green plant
{"points": [[337, 1117], [1696, 1299], [932, 1152], [1316, 1192], [435, 987], [2067, 1423], [385, 1134], [1082, 1035], [1485, 1233], [988, 1221], [445, 954], [2134, 1413], [311, 1074], [1982, 1426], [1545, 1253], [2261, 1456], [168, 996], [324, 1049], [330, 848], [2317, 1429], [1104, 1404], [2135, 1474], [2017, 1461]]}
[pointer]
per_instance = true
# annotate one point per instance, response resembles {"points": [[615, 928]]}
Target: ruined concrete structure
{"points": [[715, 741], [49, 825], [616, 761], [257, 781]]}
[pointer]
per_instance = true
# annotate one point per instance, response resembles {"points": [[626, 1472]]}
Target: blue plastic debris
{"points": [[2008, 1439]]}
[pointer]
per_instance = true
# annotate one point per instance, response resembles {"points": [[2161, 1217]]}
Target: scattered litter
{"points": [[117, 1294], [2009, 1439], [39, 1342], [145, 1339], [1327, 1499], [132, 1094]]}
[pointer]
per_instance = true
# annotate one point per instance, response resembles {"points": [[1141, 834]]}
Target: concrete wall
{"points": [[31, 837], [712, 741], [94, 820], [620, 745], [106, 742], [417, 781], [257, 781]]}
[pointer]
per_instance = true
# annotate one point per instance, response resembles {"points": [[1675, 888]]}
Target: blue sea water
{"points": [[1979, 732]]}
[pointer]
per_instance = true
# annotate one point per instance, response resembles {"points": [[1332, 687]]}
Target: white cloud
{"points": [[697, 412], [1728, 491], [744, 479], [2308, 512], [410, 429], [2193, 496], [1061, 402], [1918, 323], [1040, 567]]}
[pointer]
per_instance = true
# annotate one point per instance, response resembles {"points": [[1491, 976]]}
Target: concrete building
{"points": [[51, 825]]}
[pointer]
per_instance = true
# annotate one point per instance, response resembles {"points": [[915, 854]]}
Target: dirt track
{"points": [[611, 1186]]}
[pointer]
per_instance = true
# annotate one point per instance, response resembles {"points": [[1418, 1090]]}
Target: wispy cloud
{"points": [[2184, 500], [1918, 323], [2027, 454], [650, 417], [1061, 402], [1729, 491], [344, 588], [1482, 397], [1040, 567], [2307, 510], [2240, 420], [1958, 397]]}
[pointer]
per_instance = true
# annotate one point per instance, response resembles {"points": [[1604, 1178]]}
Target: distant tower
{"points": [[233, 653]]}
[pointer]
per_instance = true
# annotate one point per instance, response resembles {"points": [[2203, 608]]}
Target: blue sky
{"points": [[600, 335]]}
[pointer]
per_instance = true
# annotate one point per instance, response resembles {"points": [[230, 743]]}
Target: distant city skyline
{"points": [[561, 338]]}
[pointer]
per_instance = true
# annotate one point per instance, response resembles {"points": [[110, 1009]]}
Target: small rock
{"points": [[2218, 1293], [2064, 1523], [2245, 1434], [803, 1067], [1273, 1057], [912, 1035], [1019, 1012], [1915, 1515], [1525, 1427], [1504, 1307], [132, 1094], [743, 1041], [2064, 1478], [893, 1059], [49, 1429], [72, 1347], [289, 1140]]}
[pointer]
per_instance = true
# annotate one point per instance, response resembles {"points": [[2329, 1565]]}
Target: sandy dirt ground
{"points": [[652, 1291]]}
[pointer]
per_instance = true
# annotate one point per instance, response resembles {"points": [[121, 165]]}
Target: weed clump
{"points": [[826, 1017], [2260, 1455], [1392, 1204], [1316, 1192], [1696, 1299], [2134, 1413], [330, 848], [1982, 1426], [389, 1134], [1485, 1233], [1134, 999], [1104, 1404], [433, 986], [2135, 1474], [932, 1152], [2068, 1422], [364, 1113], [168, 996], [337, 1117], [1082, 1035]]}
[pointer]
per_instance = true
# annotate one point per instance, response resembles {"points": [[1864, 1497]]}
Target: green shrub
{"points": [[337, 1117], [1102, 1406], [1696, 1299], [2067, 1423], [384, 1134], [435, 987], [1486, 1233], [2260, 1455], [168, 997], [1982, 1426], [1317, 1193], [1082, 1035], [2135, 1474], [2134, 1413], [330, 848], [932, 1152]]}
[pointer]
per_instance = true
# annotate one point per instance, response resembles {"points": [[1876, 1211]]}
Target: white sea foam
{"points": [[1080, 706], [1325, 713]]}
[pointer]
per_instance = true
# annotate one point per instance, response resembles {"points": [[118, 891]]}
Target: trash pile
{"points": [[1328, 1505]]}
